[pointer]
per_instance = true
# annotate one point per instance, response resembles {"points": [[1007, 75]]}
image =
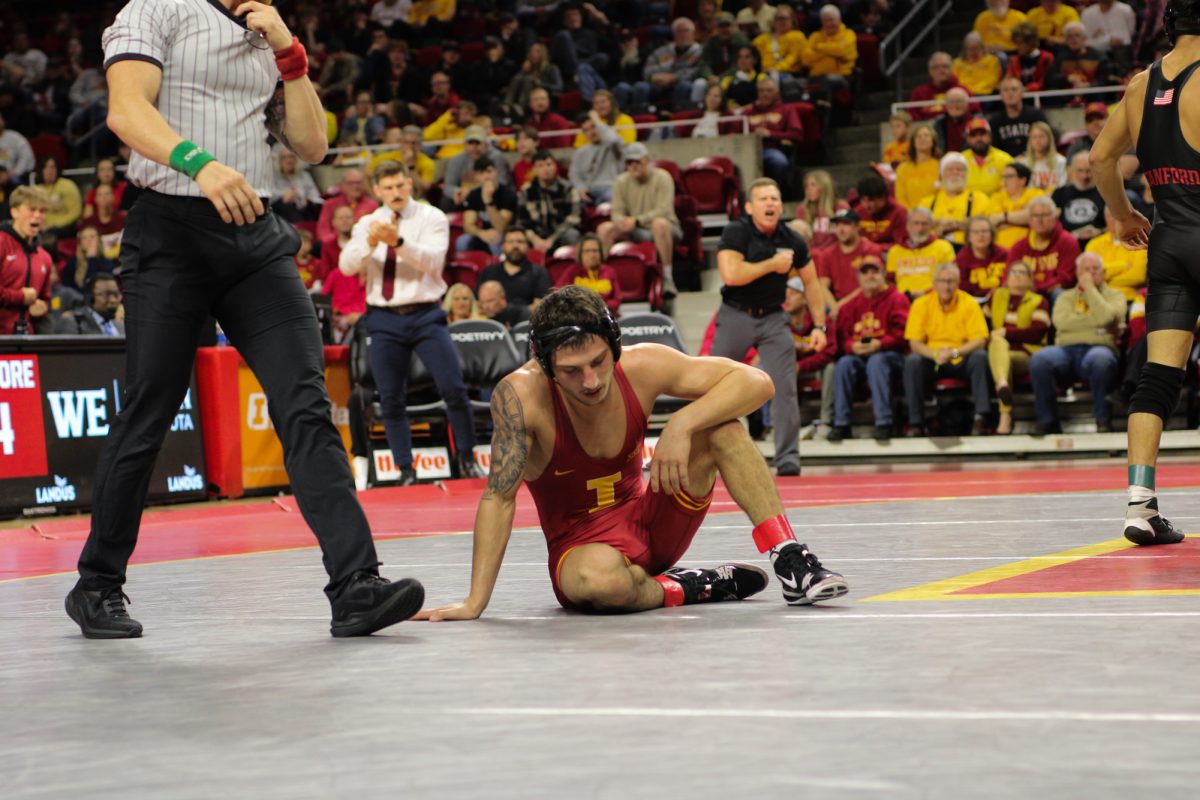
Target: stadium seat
{"points": [[428, 57], [672, 168], [685, 131], [520, 335], [561, 260], [644, 133], [594, 215], [715, 184], [690, 248], [638, 272], [472, 52], [569, 103], [461, 272], [49, 144], [868, 59], [812, 149]]}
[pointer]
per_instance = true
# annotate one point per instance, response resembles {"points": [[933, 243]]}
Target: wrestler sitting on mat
{"points": [[571, 421]]}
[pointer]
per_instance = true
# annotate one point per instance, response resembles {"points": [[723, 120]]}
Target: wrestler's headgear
{"points": [[1182, 18], [544, 341]]}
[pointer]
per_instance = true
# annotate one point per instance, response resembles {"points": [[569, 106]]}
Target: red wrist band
{"points": [[772, 532], [292, 61]]}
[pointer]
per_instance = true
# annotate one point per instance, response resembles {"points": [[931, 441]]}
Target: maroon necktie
{"points": [[389, 271]]}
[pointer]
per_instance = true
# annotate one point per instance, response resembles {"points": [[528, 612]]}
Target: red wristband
{"points": [[292, 61]]}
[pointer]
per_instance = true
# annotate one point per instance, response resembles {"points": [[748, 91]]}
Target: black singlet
{"points": [[1171, 165]]}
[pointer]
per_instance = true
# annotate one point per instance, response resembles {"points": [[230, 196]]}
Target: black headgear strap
{"points": [[544, 343], [1181, 18]]}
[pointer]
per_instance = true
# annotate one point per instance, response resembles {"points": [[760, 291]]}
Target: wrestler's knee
{"points": [[597, 574]]}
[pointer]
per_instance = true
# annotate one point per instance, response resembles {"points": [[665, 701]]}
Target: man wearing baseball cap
{"points": [[985, 164], [643, 210], [870, 336], [811, 363], [837, 264], [1094, 117]]}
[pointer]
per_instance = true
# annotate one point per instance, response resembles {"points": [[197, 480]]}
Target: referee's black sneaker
{"points": [[101, 613], [726, 582], [804, 580], [1153, 530], [369, 603]]}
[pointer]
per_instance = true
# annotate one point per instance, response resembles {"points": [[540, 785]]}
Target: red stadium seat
{"points": [[690, 248], [557, 270], [461, 272], [472, 52], [428, 57], [868, 58], [570, 102], [638, 271], [714, 182], [676, 175], [561, 260], [685, 131], [594, 215], [537, 257], [49, 144], [477, 257], [813, 145]]}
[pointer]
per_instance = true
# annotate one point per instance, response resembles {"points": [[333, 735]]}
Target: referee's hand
{"points": [[230, 193]]}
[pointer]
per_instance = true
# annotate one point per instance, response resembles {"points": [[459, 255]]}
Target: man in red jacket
{"points": [[780, 126], [837, 265], [1049, 250], [24, 265], [870, 333], [544, 120], [941, 80], [883, 220]]}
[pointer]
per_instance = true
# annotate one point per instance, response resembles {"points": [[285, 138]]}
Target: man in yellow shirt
{"points": [[977, 69], [407, 144], [948, 335], [954, 203], [1010, 211], [450, 127], [911, 263], [1124, 269], [985, 164], [1050, 18], [996, 26], [833, 49]]}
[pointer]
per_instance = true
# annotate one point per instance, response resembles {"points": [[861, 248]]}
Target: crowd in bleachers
{"points": [[527, 124]]}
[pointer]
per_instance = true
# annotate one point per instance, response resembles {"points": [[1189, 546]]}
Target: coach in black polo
{"points": [[755, 257], [195, 89]]}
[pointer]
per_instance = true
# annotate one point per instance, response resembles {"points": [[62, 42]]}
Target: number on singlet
{"points": [[605, 489]]}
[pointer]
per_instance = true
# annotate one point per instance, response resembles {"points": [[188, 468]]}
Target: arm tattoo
{"points": [[509, 449], [277, 116]]}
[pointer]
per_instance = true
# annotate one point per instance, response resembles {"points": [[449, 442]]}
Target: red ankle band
{"points": [[772, 532], [672, 591]]}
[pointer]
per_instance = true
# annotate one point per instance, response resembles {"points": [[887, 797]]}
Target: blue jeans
{"points": [[1050, 365], [775, 165], [679, 94], [394, 338], [881, 370]]}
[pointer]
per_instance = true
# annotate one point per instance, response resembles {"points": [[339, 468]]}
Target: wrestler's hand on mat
{"points": [[230, 193], [1133, 232], [454, 611], [669, 467]]}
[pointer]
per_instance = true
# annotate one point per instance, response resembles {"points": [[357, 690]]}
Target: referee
{"points": [[756, 254], [194, 89]]}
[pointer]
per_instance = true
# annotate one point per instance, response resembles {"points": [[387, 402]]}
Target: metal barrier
{"points": [[1035, 96], [921, 10]]}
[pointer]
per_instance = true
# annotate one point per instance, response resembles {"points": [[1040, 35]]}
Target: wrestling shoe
{"points": [[804, 580], [465, 466], [1156, 529], [726, 582], [369, 603], [101, 614]]}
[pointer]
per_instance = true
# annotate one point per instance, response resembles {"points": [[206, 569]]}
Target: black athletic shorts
{"points": [[1173, 272]]}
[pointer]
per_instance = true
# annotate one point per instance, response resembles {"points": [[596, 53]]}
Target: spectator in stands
{"points": [[62, 298], [108, 220], [996, 26], [590, 270], [977, 69], [1080, 201], [643, 209], [338, 76], [537, 72], [407, 144], [670, 72], [779, 126], [451, 127], [719, 54], [814, 215], [528, 143], [781, 47], [941, 80], [398, 82], [24, 65], [917, 177], [1030, 63], [604, 104], [578, 51], [89, 259], [1124, 269], [106, 173], [954, 203], [1047, 167], [102, 294], [489, 77], [296, 194], [814, 358], [981, 262], [25, 266], [524, 282], [451, 64], [1011, 204], [896, 151], [870, 332], [947, 334], [307, 264], [1094, 117], [1048, 250], [629, 63], [442, 97], [712, 108], [15, 151], [1087, 319], [65, 203], [756, 17], [353, 194], [951, 126], [1077, 66], [460, 305], [837, 264], [832, 50], [365, 127], [596, 165], [910, 264], [460, 178], [488, 211], [883, 220], [741, 83], [1012, 123], [431, 18], [387, 13], [1051, 19], [493, 304], [1020, 321], [549, 207], [342, 223], [1110, 27], [544, 120], [706, 20], [985, 163]]}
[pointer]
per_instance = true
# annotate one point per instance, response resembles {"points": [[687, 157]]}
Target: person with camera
{"points": [[25, 265]]}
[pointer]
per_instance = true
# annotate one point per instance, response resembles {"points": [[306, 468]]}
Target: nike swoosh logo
{"points": [[788, 582], [564, 472]]}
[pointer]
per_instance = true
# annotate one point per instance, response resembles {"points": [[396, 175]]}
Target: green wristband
{"points": [[189, 157]]}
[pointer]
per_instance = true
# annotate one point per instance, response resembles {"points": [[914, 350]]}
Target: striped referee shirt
{"points": [[218, 78]]}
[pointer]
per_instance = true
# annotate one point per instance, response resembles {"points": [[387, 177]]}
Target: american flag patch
{"points": [[1164, 98]]}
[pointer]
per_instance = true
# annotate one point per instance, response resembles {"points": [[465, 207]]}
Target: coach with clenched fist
{"points": [[195, 87]]}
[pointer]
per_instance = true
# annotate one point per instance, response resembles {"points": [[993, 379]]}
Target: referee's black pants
{"points": [[179, 264]]}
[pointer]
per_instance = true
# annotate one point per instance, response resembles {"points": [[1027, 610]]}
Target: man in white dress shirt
{"points": [[401, 246]]}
